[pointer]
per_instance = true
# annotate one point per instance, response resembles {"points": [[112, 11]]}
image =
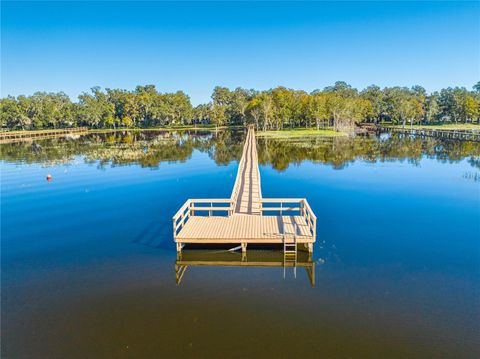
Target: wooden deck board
{"points": [[244, 228]]}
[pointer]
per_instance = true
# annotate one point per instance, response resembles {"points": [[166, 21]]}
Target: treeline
{"points": [[339, 105]]}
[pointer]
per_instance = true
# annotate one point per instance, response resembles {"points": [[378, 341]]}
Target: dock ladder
{"points": [[290, 252]]}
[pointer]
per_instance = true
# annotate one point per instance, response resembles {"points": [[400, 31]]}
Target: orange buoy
{"points": [[49, 177]]}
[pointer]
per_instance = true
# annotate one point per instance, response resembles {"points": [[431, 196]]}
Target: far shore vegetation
{"points": [[336, 108]]}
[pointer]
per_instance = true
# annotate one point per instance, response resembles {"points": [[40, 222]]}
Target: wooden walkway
{"points": [[16, 136], [246, 192], [461, 135], [246, 217]]}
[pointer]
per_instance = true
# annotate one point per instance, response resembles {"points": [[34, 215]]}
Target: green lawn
{"points": [[300, 132]]}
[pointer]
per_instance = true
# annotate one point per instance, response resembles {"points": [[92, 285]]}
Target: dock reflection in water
{"points": [[251, 258]]}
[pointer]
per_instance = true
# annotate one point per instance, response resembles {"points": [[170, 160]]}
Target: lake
{"points": [[88, 263]]}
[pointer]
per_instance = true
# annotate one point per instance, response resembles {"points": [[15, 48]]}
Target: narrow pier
{"points": [[246, 217], [15, 136], [461, 135], [246, 192]]}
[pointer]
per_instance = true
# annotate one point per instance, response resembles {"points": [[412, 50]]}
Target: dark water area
{"points": [[88, 263]]}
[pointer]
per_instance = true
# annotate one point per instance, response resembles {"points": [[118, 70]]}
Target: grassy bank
{"points": [[300, 132]]}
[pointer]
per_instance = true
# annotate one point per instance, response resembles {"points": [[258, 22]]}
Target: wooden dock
{"points": [[15, 136], [246, 217], [254, 258], [461, 135]]}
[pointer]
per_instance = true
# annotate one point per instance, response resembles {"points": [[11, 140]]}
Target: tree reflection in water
{"points": [[151, 148]]}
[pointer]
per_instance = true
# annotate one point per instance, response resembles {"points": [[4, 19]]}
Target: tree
{"points": [[376, 97], [318, 110], [476, 87], [283, 103], [471, 105], [202, 113], [254, 110], [266, 108], [433, 108], [12, 115], [240, 99], [342, 89], [95, 108], [218, 115], [127, 121]]}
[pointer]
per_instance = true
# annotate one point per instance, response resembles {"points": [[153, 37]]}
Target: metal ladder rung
{"points": [[290, 252]]}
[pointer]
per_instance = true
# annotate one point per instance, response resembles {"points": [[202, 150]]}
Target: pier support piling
{"points": [[244, 248], [309, 247]]}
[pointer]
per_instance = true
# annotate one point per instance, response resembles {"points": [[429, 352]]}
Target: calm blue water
{"points": [[88, 261]]}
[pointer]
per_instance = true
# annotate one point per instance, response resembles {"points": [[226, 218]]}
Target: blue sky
{"points": [[73, 46]]}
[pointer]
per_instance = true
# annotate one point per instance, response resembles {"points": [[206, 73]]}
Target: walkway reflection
{"points": [[252, 258]]}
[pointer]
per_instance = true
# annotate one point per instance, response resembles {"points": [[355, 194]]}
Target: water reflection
{"points": [[151, 148], [251, 258]]}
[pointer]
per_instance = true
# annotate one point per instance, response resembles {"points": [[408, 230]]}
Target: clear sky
{"points": [[73, 46]]}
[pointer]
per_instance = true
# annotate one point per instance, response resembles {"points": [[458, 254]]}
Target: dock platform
{"points": [[246, 217]]}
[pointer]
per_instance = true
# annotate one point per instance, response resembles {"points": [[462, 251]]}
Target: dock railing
{"points": [[291, 206], [224, 206], [205, 206]]}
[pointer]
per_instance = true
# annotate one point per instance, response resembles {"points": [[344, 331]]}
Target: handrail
{"points": [[281, 208], [304, 208], [182, 215], [307, 206], [210, 200], [229, 208], [284, 200], [310, 218], [182, 209], [189, 207]]}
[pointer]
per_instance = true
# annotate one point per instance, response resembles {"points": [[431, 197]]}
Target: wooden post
{"points": [[310, 247], [244, 248], [244, 256], [174, 229]]}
